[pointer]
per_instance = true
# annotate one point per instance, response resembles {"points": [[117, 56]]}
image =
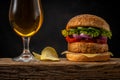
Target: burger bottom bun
{"points": [[88, 57]]}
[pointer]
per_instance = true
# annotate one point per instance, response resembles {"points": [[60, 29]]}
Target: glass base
{"points": [[25, 58]]}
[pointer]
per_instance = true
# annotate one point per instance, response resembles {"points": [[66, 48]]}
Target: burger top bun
{"points": [[85, 20]]}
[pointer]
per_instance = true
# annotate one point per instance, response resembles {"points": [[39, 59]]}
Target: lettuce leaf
{"points": [[106, 33], [94, 32]]}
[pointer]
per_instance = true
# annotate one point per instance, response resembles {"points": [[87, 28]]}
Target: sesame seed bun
{"points": [[86, 20]]}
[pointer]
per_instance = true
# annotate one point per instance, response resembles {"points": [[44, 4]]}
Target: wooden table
{"points": [[62, 70]]}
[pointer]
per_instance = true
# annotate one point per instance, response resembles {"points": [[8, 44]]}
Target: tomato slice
{"points": [[72, 39], [69, 39]]}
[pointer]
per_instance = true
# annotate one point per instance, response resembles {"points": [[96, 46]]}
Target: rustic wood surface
{"points": [[62, 70]]}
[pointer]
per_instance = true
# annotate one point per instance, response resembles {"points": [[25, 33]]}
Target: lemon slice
{"points": [[49, 53], [36, 55]]}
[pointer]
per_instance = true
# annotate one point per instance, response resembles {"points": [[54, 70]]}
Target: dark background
{"points": [[56, 15]]}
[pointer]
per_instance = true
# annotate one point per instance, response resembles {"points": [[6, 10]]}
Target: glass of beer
{"points": [[26, 18]]}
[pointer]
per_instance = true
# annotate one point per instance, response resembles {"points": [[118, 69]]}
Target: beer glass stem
{"points": [[26, 41], [26, 55]]}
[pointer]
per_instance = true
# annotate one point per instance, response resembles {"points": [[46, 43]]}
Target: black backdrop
{"points": [[56, 15]]}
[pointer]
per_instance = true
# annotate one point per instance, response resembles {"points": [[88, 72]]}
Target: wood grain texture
{"points": [[62, 70]]}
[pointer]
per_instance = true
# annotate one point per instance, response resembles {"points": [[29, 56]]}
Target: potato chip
{"points": [[36, 55], [49, 53]]}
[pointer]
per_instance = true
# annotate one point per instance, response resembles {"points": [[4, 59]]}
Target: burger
{"points": [[87, 37]]}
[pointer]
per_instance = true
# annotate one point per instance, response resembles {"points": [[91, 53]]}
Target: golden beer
{"points": [[24, 18]]}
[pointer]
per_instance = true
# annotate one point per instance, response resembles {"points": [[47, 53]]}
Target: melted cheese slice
{"points": [[90, 55], [87, 54]]}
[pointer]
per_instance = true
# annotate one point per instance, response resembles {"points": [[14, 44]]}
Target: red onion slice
{"points": [[102, 38], [85, 36], [76, 36], [81, 36]]}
